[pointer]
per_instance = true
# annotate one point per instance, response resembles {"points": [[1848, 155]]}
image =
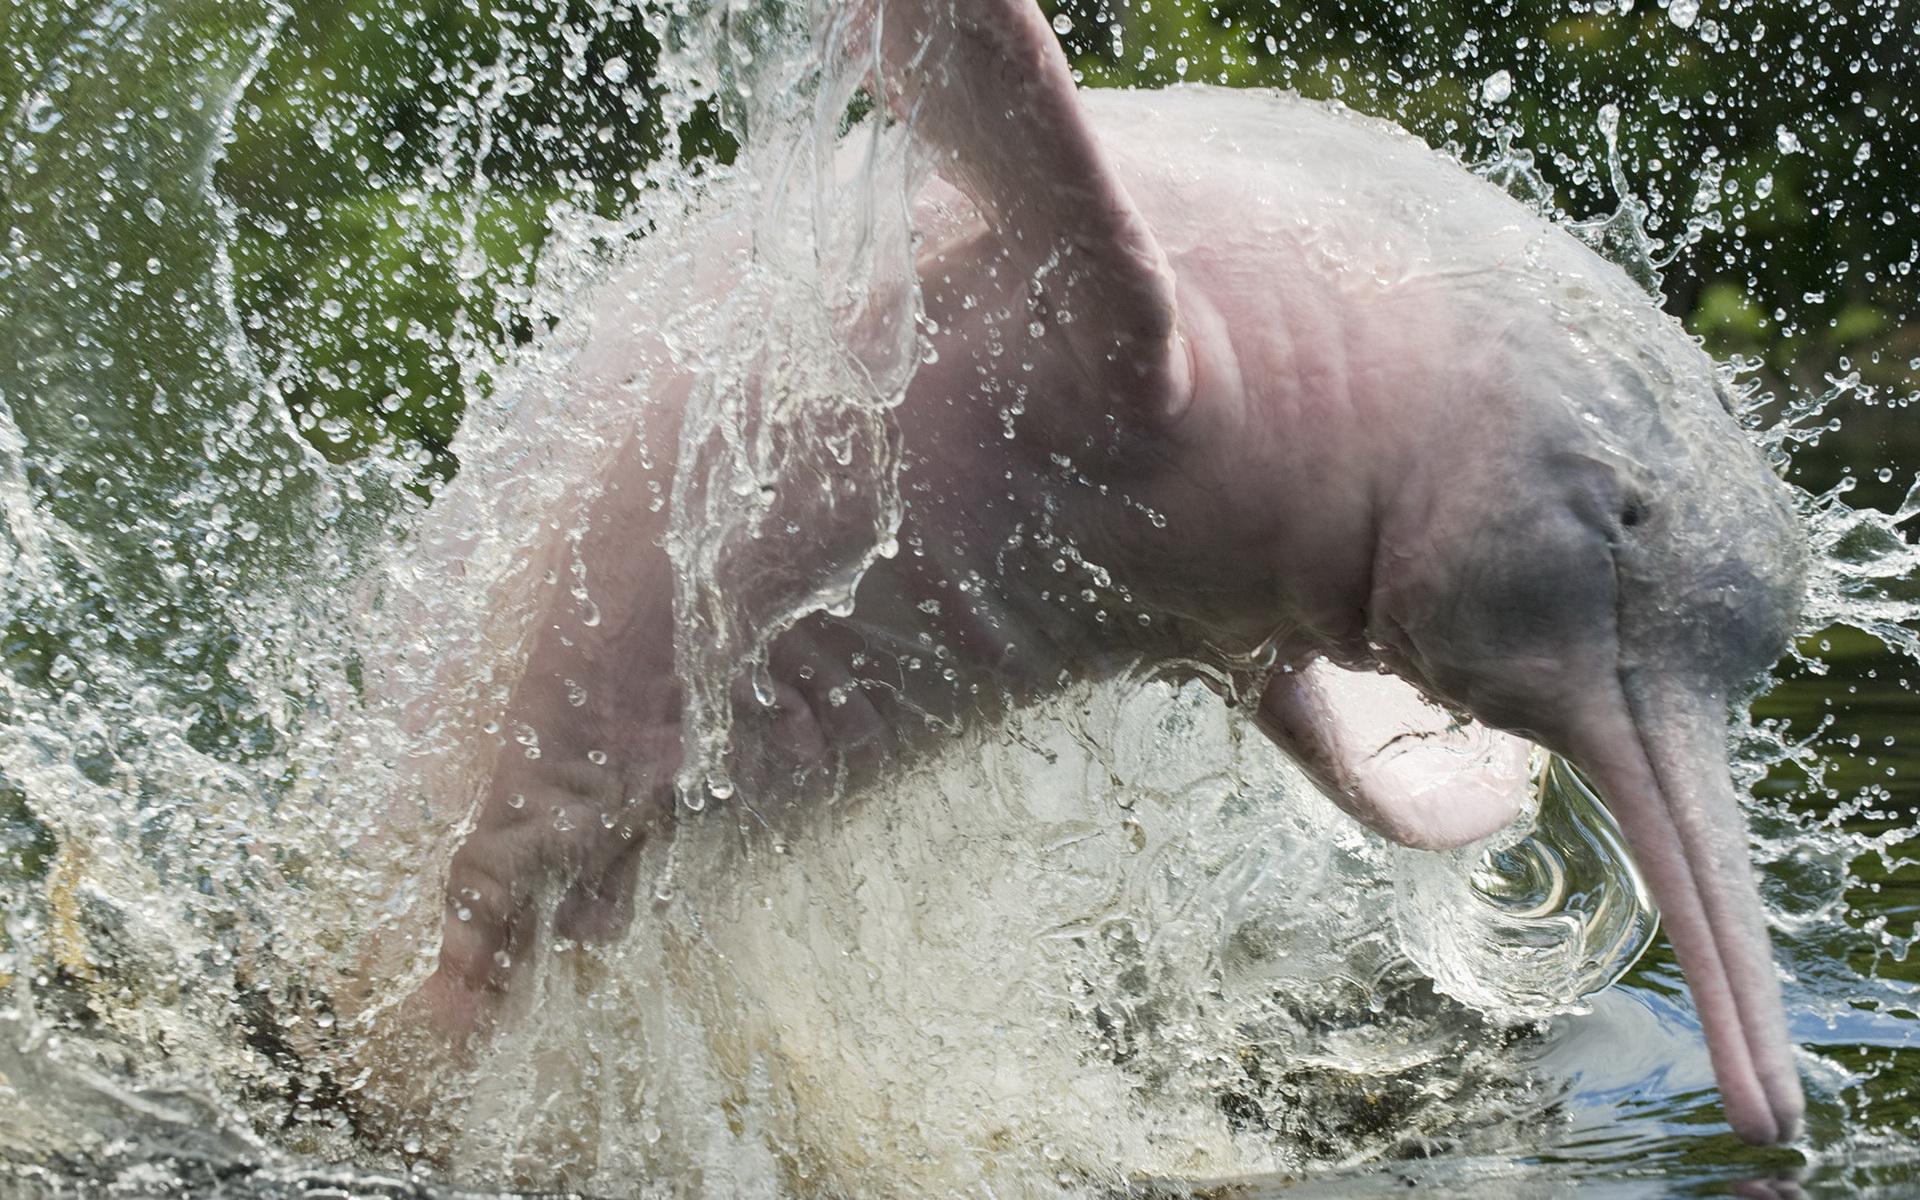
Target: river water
{"points": [[291, 300]]}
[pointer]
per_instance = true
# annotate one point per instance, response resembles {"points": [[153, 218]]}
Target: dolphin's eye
{"points": [[1632, 514]]}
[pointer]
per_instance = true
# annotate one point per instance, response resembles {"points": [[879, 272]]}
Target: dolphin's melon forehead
{"points": [[1577, 361]]}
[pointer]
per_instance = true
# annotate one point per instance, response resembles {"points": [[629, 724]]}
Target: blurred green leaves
{"points": [[359, 318], [394, 172]]}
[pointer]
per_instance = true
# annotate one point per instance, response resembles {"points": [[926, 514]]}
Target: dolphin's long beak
{"points": [[1662, 769]]}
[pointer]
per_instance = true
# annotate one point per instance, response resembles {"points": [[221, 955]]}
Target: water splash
{"points": [[1570, 914], [787, 487], [241, 682]]}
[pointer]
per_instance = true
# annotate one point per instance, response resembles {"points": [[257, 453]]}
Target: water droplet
{"points": [[471, 263], [1063, 24], [1763, 187], [41, 115], [1497, 87], [1683, 13], [616, 70]]}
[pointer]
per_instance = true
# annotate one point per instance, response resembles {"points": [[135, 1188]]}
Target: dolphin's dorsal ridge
{"points": [[984, 83]]}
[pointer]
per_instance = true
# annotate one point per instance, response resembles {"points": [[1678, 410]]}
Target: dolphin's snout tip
{"points": [[1772, 1124]]}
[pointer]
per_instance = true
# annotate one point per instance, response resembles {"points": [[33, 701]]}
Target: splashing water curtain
{"points": [[302, 433]]}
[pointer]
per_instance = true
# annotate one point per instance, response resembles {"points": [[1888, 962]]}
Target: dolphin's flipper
{"points": [[1394, 762], [986, 85]]}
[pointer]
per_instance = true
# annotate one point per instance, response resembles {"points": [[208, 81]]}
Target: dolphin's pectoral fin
{"points": [[985, 83], [1396, 763]]}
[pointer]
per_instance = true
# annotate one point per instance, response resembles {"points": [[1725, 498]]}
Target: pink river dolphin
{"points": [[1418, 464]]}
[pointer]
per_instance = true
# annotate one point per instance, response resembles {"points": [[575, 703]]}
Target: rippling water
{"points": [[1111, 948]]}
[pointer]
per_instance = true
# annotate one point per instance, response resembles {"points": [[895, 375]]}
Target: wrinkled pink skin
{"points": [[1303, 341], [974, 500]]}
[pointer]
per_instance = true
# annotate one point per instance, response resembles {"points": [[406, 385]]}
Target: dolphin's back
{"points": [[1276, 164]]}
